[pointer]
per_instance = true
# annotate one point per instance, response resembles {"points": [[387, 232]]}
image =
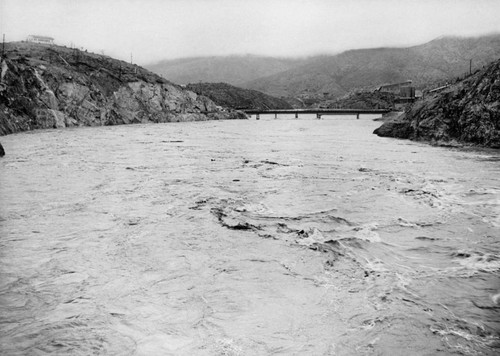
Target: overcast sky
{"points": [[159, 29]]}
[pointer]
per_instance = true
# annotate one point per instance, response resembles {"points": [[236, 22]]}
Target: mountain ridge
{"points": [[443, 58], [440, 59], [235, 69]]}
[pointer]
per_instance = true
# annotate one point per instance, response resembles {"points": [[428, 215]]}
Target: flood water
{"points": [[270, 237]]}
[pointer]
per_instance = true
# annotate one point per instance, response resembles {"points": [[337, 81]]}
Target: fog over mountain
{"points": [[153, 30], [235, 70], [441, 59]]}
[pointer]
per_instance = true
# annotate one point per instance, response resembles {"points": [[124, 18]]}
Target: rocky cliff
{"points": [[51, 86], [466, 112], [238, 98]]}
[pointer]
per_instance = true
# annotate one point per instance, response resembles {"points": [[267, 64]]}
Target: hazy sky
{"points": [[158, 29]]}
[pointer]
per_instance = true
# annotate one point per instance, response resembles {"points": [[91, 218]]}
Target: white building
{"points": [[40, 39]]}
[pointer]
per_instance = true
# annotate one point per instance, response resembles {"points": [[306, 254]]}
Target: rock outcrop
{"points": [[237, 98], [467, 112], [51, 87]]}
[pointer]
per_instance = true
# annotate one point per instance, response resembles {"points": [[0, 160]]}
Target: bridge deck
{"points": [[318, 111]]}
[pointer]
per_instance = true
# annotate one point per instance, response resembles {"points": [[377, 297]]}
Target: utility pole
{"points": [[3, 46]]}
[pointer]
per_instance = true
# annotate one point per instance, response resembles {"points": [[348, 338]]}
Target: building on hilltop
{"points": [[40, 39]]}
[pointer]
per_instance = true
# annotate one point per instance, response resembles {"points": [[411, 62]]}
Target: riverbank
{"points": [[465, 113], [52, 87]]}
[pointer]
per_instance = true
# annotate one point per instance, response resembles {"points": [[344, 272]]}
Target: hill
{"points": [[362, 100], [233, 70], [466, 112], [237, 98], [439, 60], [332, 76], [51, 86]]}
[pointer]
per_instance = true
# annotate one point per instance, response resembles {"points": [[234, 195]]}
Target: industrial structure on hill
{"points": [[404, 91]]}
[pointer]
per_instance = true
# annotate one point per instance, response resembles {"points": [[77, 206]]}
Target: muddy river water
{"points": [[270, 237]]}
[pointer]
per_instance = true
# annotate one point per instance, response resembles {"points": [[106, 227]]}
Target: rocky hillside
{"points": [[237, 98], [51, 86], [466, 112]]}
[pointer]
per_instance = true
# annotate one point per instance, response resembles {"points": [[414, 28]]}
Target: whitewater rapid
{"points": [[282, 237]]}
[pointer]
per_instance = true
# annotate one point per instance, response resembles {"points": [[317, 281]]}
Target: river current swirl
{"points": [[270, 237]]}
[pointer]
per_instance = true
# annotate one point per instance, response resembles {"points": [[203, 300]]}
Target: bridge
{"points": [[319, 112]]}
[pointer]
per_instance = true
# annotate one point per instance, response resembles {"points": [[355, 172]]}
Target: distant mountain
{"points": [[332, 76], [442, 59], [237, 98], [233, 70]]}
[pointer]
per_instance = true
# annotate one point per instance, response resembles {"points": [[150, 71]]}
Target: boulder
{"points": [[397, 127]]}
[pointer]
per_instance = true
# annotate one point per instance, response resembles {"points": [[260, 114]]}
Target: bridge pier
{"points": [[275, 115], [357, 116], [296, 115], [257, 116], [318, 116]]}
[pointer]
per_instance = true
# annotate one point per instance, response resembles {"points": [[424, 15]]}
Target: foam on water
{"points": [[292, 237]]}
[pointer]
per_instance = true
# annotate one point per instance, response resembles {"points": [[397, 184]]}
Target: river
{"points": [[270, 237]]}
